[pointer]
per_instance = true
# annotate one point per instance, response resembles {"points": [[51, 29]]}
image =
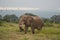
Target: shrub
{"points": [[0, 23]]}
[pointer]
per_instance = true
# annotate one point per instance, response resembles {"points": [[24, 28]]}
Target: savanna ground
{"points": [[10, 31]]}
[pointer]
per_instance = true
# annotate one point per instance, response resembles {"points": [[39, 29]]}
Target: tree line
{"points": [[15, 19], [9, 18]]}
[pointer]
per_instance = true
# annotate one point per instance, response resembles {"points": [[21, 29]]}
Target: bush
{"points": [[0, 23]]}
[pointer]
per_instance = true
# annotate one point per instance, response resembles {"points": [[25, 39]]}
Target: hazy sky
{"points": [[45, 5], [41, 4]]}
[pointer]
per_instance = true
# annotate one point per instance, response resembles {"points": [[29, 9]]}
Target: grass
{"points": [[10, 31]]}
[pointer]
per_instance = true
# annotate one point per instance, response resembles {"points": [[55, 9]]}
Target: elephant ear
{"points": [[29, 20]]}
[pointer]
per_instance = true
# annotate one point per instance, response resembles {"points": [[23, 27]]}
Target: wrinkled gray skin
{"points": [[34, 22]]}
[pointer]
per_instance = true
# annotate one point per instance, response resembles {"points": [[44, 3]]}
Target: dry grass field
{"points": [[10, 31]]}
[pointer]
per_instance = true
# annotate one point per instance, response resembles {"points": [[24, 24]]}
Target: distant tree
{"points": [[6, 18], [0, 17], [0, 20], [10, 18], [55, 18], [45, 19], [13, 18]]}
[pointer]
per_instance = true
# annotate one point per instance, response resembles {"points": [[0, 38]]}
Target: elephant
{"points": [[35, 22]]}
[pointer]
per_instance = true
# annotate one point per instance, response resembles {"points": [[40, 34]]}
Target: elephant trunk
{"points": [[20, 27]]}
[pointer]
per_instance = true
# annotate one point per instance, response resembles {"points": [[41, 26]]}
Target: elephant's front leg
{"points": [[26, 29], [32, 28], [21, 29]]}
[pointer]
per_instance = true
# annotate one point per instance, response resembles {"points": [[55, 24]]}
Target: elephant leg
{"points": [[26, 29], [41, 27], [32, 28], [21, 29]]}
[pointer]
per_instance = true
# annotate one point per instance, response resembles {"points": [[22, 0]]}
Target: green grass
{"points": [[10, 31]]}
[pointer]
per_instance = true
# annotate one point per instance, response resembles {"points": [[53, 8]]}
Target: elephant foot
{"points": [[33, 32], [21, 29], [25, 33]]}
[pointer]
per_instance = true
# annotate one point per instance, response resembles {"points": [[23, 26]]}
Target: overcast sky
{"points": [[41, 4], [49, 5]]}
